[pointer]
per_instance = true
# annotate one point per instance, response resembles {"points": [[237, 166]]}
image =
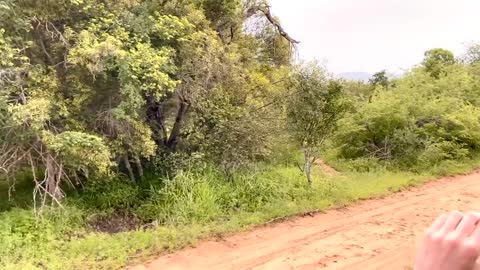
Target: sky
{"points": [[372, 35]]}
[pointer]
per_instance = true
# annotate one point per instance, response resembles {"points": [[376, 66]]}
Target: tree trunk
{"points": [[177, 127], [156, 120], [53, 177], [53, 188], [308, 173], [129, 168], [307, 166], [139, 167]]}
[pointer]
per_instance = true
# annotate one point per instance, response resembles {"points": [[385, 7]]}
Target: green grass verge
{"points": [[197, 207]]}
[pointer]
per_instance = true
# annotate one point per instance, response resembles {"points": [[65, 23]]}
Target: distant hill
{"points": [[355, 76]]}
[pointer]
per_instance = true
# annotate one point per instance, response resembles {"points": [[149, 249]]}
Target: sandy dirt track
{"points": [[372, 234]]}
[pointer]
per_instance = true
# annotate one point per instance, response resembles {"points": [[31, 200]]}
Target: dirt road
{"points": [[373, 234]]}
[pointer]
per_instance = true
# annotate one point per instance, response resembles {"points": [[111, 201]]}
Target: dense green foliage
{"points": [[313, 109], [95, 85], [133, 127], [421, 121]]}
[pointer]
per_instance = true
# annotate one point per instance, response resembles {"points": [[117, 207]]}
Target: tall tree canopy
{"points": [[379, 79], [86, 84], [436, 60]]}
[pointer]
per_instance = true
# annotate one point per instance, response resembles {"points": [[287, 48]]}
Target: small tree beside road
{"points": [[313, 109]]}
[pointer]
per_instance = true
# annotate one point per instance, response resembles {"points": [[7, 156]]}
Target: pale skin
{"points": [[451, 243]]}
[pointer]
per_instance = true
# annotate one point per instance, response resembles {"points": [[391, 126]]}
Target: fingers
{"points": [[477, 264], [438, 223], [475, 235], [451, 242], [452, 221], [468, 224]]}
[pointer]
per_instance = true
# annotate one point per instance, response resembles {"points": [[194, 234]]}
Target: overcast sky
{"points": [[371, 35]]}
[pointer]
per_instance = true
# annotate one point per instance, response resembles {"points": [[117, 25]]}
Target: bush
{"points": [[437, 152], [166, 164], [25, 236], [284, 152], [417, 124], [185, 198], [112, 195], [17, 194], [363, 165], [194, 197], [249, 193]]}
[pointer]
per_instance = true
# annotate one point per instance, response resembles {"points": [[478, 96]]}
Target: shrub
{"points": [[249, 193], [113, 195], [25, 236], [418, 123], [185, 198]]}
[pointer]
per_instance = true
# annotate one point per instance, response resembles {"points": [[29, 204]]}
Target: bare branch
{"points": [[59, 35], [265, 9]]}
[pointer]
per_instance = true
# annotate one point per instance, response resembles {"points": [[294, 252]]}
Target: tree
{"points": [[92, 85], [472, 55], [436, 60], [357, 90], [379, 79], [315, 105], [79, 73]]}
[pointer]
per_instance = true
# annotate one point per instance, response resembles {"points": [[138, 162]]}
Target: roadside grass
{"points": [[188, 208]]}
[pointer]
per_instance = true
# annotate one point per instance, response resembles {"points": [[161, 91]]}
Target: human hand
{"points": [[451, 243]]}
